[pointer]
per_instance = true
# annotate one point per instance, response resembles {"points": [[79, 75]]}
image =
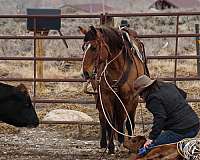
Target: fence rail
{"points": [[81, 37]]}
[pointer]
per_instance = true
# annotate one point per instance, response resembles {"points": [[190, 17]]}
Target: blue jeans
{"points": [[169, 136]]}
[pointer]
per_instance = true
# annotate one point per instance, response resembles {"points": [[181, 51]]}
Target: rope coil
{"points": [[189, 148]]}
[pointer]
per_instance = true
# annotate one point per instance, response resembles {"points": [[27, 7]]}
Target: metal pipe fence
{"points": [[174, 57]]}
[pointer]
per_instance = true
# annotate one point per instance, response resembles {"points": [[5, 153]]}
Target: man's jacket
{"points": [[168, 105]]}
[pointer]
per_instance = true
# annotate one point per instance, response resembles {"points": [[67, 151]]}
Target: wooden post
{"points": [[110, 22], [107, 20], [39, 65], [80, 130], [198, 49]]}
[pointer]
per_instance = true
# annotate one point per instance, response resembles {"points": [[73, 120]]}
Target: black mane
{"points": [[110, 35]]}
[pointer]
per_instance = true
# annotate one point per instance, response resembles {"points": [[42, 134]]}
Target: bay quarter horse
{"points": [[112, 63]]}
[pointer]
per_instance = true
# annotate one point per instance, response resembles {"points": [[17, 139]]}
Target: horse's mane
{"points": [[112, 37]]}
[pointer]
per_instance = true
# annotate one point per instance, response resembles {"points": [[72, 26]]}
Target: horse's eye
{"points": [[86, 47], [93, 48], [83, 47]]}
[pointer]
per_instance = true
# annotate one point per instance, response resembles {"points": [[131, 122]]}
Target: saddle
{"points": [[135, 45]]}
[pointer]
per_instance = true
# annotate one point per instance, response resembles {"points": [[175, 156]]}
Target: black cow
{"points": [[16, 107]]}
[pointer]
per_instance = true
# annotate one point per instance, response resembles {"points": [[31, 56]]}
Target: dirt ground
{"points": [[56, 141], [43, 143], [60, 142]]}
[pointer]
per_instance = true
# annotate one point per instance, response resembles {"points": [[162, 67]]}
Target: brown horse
{"points": [[112, 64], [167, 151]]}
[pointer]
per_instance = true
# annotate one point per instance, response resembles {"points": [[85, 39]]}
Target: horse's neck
{"points": [[118, 68], [125, 68]]}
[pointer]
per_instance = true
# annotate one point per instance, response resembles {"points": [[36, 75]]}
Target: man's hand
{"points": [[148, 142]]}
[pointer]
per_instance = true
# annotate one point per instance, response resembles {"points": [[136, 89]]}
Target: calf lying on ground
{"points": [[16, 107], [165, 152]]}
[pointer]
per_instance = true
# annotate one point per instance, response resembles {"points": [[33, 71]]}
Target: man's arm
{"points": [[156, 107]]}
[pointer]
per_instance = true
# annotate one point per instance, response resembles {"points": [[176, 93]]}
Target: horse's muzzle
{"points": [[87, 75]]}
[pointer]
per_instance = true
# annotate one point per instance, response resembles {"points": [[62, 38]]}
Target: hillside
{"points": [[14, 6]]}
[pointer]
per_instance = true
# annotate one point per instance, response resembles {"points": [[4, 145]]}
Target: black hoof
{"points": [[103, 144], [111, 151]]}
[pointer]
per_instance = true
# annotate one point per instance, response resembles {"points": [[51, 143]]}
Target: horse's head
{"points": [[95, 51], [134, 143], [97, 48]]}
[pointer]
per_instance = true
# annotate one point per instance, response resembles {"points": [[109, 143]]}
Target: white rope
{"points": [[107, 117], [120, 102], [99, 89], [189, 148]]}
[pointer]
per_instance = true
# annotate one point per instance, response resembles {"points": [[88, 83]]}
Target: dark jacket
{"points": [[168, 105]]}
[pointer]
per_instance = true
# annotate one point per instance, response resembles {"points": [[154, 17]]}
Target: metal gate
{"points": [[101, 18]]}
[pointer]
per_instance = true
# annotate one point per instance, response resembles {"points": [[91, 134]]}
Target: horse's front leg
{"points": [[106, 132], [108, 114], [103, 141], [120, 118], [111, 146], [121, 130]]}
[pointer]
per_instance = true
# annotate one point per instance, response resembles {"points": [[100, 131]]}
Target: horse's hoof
{"points": [[110, 151], [103, 145]]}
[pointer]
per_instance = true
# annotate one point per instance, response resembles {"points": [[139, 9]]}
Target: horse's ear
{"points": [[82, 30], [101, 30], [93, 29]]}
